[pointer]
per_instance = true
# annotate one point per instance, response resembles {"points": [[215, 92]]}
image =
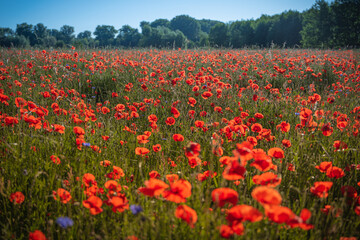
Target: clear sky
{"points": [[86, 15]]}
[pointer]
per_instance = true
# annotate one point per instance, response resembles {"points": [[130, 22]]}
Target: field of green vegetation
{"points": [[181, 144]]}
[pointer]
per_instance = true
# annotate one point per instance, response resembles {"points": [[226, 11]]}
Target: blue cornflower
{"points": [[64, 222], [135, 209], [86, 144], [297, 113]]}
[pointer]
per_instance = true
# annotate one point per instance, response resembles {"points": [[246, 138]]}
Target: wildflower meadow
{"points": [[179, 144]]}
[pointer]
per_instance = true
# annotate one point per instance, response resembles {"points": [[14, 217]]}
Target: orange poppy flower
{"points": [[152, 118], [234, 171], [113, 186], [244, 151], [187, 214], [17, 197], [142, 139], [261, 161], [327, 130], [221, 196], [276, 153], [153, 187], [279, 214], [321, 189], [323, 167], [59, 128], [192, 101], [178, 192], [286, 143], [172, 178], [266, 195], [178, 137], [88, 179], [267, 179], [141, 151], [63, 195], [79, 131], [283, 126], [242, 213], [94, 203], [119, 203]]}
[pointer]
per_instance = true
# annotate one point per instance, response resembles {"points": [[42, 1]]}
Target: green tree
{"points": [[161, 22], [261, 30], [84, 35], [347, 22], [188, 25], [241, 34], [40, 33], [317, 22], [105, 34], [128, 36], [67, 33], [27, 31], [219, 35]]}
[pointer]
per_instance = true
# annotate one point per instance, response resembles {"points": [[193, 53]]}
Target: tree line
{"points": [[324, 25]]}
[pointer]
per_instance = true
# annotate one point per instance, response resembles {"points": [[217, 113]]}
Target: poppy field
{"points": [[179, 144]]}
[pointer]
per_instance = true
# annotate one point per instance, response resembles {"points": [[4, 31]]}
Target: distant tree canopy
{"points": [[324, 25]]}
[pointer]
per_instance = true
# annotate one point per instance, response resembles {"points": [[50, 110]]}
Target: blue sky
{"points": [[86, 15]]}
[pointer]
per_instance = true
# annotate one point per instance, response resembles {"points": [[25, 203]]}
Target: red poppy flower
{"points": [[206, 95], [141, 151], [79, 131], [276, 153], [256, 127], [119, 203], [335, 172], [175, 112], [221, 196], [63, 195], [17, 197], [37, 235], [156, 147], [170, 121], [266, 195], [279, 214], [261, 161], [234, 171], [321, 189], [244, 151], [242, 213], [94, 203], [226, 231], [55, 159], [178, 192], [187, 214], [153, 187], [267, 179], [323, 167], [283, 126], [154, 174], [178, 137], [192, 149]]}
